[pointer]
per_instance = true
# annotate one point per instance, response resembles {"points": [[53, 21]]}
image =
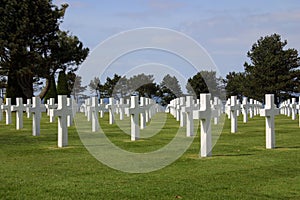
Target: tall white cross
{"points": [[245, 107], [70, 116], [251, 108], [269, 112], [28, 106], [111, 107], [102, 108], [88, 112], [7, 109], [62, 113], [19, 108], [293, 106], [188, 109], [121, 107], [135, 111], [51, 105], [143, 114], [95, 110], [36, 110], [182, 114], [233, 116], [205, 120]]}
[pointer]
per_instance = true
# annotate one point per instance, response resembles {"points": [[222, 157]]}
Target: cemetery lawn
{"points": [[241, 167]]}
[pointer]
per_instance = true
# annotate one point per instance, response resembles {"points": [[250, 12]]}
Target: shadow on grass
{"points": [[294, 147], [232, 155]]}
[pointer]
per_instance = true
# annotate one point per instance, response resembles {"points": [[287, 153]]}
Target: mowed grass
{"points": [[241, 167]]}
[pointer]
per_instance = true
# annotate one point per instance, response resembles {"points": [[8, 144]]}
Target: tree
{"points": [[62, 84], [272, 69], [32, 46], [77, 88], [237, 84], [169, 89], [95, 86], [52, 92], [204, 82], [143, 85]]}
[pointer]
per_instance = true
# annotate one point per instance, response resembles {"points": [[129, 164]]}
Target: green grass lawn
{"points": [[241, 167]]}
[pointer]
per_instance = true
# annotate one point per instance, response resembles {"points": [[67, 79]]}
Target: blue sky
{"points": [[225, 28]]}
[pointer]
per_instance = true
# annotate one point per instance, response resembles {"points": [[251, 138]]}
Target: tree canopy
{"points": [[273, 70], [32, 46]]}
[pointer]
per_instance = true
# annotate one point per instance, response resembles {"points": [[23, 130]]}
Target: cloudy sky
{"points": [[226, 29]]}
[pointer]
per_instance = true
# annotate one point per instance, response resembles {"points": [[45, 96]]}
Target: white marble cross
{"points": [[62, 113], [121, 107], [205, 119], [70, 116], [245, 107], [217, 106], [28, 106], [88, 112], [177, 107], [51, 105], [269, 112], [182, 114], [188, 109], [293, 106], [102, 108], [233, 116], [135, 111], [289, 110], [251, 108], [95, 110], [7, 109], [19, 108], [111, 107], [143, 114], [36, 110]]}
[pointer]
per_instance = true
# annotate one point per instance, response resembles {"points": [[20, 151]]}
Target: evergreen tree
{"points": [[273, 69], [62, 84], [52, 92]]}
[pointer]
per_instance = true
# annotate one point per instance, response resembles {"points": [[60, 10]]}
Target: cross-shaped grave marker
{"points": [[7, 109], [111, 108], [205, 120], [251, 108], [95, 110], [28, 106], [182, 114], [143, 114], [188, 109], [51, 105], [233, 116], [19, 108], [62, 113], [293, 106], [135, 111], [36, 110], [245, 107], [70, 116], [269, 112], [102, 108], [121, 107]]}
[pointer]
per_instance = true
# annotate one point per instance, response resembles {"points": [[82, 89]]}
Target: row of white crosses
{"points": [[63, 110], [289, 108], [142, 112]]}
